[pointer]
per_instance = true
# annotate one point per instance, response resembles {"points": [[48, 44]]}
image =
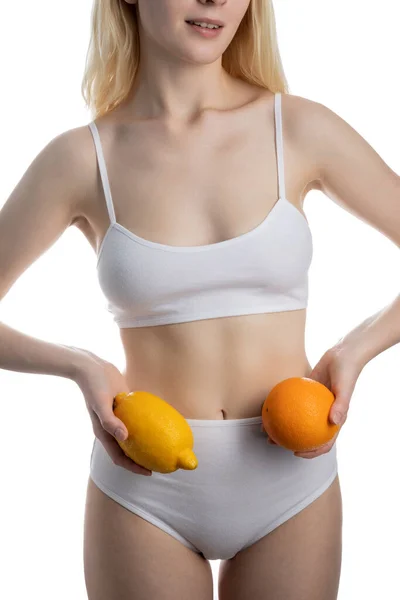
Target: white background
{"points": [[344, 54]]}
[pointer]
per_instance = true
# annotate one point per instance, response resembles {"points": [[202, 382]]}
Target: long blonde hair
{"points": [[112, 58]]}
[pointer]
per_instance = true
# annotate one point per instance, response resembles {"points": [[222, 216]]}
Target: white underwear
{"points": [[242, 489]]}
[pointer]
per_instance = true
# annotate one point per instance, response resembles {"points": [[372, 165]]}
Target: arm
{"points": [[46, 201], [351, 173], [42, 205]]}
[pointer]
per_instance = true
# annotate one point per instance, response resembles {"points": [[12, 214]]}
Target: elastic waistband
{"points": [[224, 422]]}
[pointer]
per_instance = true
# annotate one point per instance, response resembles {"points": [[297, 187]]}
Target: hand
{"points": [[339, 373], [100, 381]]}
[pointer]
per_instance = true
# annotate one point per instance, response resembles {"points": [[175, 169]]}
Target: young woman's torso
{"points": [[210, 181]]}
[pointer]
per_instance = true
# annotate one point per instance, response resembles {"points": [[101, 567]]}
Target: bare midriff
{"points": [[219, 368]]}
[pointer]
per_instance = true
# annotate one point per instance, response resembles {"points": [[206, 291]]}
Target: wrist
{"points": [[351, 349], [80, 360]]}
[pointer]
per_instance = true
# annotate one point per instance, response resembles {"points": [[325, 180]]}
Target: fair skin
{"points": [[192, 119]]}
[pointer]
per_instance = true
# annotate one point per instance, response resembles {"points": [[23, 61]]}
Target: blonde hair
{"points": [[113, 57]]}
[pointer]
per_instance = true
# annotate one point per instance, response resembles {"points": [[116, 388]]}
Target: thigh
{"points": [[129, 558], [299, 560]]}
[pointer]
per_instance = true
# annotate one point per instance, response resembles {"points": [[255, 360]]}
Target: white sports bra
{"points": [[264, 270]]}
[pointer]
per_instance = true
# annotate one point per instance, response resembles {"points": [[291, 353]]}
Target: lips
{"points": [[205, 32], [214, 28], [208, 21]]}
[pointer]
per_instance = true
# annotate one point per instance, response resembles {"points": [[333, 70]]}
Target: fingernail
{"points": [[337, 417], [120, 435]]}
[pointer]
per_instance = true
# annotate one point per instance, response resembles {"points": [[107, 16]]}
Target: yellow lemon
{"points": [[159, 437]]}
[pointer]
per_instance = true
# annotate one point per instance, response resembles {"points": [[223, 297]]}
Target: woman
{"points": [[189, 185]]}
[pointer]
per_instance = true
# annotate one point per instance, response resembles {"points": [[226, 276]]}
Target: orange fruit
{"points": [[295, 414]]}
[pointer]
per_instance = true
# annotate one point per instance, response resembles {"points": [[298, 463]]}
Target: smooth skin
{"points": [[183, 114], [299, 560], [129, 558]]}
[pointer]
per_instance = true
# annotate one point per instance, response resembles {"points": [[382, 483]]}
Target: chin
{"points": [[204, 56]]}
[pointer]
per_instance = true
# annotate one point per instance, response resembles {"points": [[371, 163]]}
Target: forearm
{"points": [[374, 335], [27, 354]]}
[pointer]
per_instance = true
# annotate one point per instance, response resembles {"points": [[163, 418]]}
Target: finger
{"points": [[310, 454], [320, 449], [122, 460], [98, 427], [111, 423], [303, 455], [127, 463], [338, 411], [118, 456], [316, 452], [337, 414]]}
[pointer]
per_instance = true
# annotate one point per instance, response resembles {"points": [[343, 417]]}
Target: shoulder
{"points": [[308, 118], [72, 158], [315, 130], [69, 148]]}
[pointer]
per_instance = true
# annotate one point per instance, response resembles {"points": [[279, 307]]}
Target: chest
{"points": [[195, 188]]}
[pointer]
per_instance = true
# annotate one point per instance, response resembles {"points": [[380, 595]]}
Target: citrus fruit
{"points": [[295, 414], [159, 437]]}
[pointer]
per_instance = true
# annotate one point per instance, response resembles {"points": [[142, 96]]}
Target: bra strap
{"points": [[279, 144], [103, 170]]}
